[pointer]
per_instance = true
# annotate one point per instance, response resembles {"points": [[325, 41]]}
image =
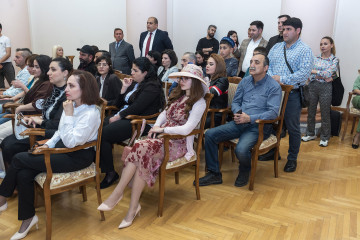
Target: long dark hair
{"points": [[231, 32], [64, 64], [44, 64]]}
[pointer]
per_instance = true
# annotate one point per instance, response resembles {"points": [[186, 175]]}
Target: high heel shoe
{"points": [[106, 208], [18, 235], [354, 146], [125, 224], [3, 207]]}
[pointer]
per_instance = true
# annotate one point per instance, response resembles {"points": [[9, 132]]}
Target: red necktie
{"points": [[148, 45]]}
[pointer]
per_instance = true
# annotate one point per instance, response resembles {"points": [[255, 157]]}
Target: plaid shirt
{"points": [[299, 57], [326, 67]]}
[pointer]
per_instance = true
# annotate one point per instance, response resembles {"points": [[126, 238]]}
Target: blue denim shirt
{"points": [[259, 100]]}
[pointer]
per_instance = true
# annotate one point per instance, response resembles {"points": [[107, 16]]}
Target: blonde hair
{"points": [[54, 49]]}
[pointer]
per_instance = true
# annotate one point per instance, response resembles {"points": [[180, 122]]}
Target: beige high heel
{"points": [[125, 224], [106, 208]]}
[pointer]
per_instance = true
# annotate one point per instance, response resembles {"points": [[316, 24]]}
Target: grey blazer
{"points": [[122, 58], [243, 48]]}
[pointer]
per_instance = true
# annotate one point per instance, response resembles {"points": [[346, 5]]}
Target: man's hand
{"points": [[276, 78], [241, 118]]}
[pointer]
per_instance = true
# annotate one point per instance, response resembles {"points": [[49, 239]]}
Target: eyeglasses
{"points": [[102, 65]]}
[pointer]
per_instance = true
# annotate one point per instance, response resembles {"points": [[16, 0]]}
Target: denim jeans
{"points": [[292, 122], [3, 120], [248, 135]]}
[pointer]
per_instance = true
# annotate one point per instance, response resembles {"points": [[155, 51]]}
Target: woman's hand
{"points": [[314, 71], [68, 107], [43, 146], [29, 121], [330, 79], [36, 120], [114, 118], [18, 84], [127, 82], [154, 131], [19, 109]]}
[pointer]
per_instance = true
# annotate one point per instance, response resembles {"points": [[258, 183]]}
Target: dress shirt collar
{"points": [[261, 82], [294, 45], [153, 33]]}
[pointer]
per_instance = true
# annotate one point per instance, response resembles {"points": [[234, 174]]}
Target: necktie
{"points": [[117, 46], [148, 45]]}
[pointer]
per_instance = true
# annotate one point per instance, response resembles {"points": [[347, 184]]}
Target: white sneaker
{"points": [[2, 174], [307, 138], [323, 143]]}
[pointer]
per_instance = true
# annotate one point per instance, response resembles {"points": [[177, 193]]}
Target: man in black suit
{"points": [[154, 39], [122, 53]]}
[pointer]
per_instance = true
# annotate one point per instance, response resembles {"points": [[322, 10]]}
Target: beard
{"points": [[211, 35]]}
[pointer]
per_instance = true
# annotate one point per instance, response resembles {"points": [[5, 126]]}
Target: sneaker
{"points": [[210, 178], [307, 138], [242, 179], [323, 143], [2, 174]]}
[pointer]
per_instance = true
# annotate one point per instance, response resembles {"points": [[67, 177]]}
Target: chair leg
{"points": [[176, 177], [161, 192], [232, 153], [98, 193], [345, 127], [83, 192], [47, 198], [353, 124], [221, 153], [254, 158], [276, 161], [197, 167]]}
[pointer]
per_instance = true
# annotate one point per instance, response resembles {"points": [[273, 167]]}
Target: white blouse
{"points": [[78, 129], [192, 123]]}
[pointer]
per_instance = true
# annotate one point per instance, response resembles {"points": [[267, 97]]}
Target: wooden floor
{"points": [[321, 200]]}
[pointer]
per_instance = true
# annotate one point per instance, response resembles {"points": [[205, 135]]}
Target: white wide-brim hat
{"points": [[190, 70]]}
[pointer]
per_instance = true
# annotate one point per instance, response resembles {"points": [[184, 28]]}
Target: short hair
{"points": [[226, 42], [231, 32], [266, 59], [284, 15], [155, 20], [157, 56], [294, 22], [44, 64], [117, 29], [25, 52], [212, 26], [261, 51], [201, 53], [220, 70], [30, 60], [172, 56], [104, 53], [64, 64], [192, 57], [333, 50], [95, 49], [89, 87], [108, 62], [258, 24]]}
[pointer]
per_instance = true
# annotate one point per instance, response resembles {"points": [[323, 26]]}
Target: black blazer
{"points": [[145, 101], [161, 41], [111, 89]]}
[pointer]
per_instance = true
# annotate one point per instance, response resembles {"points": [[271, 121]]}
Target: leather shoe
{"points": [[290, 166], [105, 183], [269, 156], [242, 179], [209, 179]]}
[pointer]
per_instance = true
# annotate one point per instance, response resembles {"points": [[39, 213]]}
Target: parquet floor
{"points": [[321, 200]]}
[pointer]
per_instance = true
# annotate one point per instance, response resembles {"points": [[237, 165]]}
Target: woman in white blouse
{"points": [[168, 62], [182, 114], [79, 124]]}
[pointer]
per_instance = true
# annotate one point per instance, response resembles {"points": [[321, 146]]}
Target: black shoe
{"points": [[269, 156], [290, 166], [210, 178], [242, 179], [107, 181], [283, 133]]}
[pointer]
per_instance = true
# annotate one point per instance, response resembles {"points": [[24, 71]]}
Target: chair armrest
{"points": [[261, 121], [9, 116], [220, 110], [11, 105], [177, 136], [142, 117], [63, 150], [110, 108], [33, 132], [3, 89]]}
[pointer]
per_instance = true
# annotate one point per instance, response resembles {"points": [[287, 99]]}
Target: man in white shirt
{"points": [[6, 68], [154, 39], [248, 45]]}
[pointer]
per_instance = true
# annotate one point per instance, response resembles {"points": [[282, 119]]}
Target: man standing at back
{"points": [[248, 45], [208, 44], [291, 63], [277, 38], [154, 39], [122, 53], [6, 68]]}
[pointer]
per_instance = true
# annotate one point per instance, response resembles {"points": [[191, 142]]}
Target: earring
{"points": [[65, 79]]}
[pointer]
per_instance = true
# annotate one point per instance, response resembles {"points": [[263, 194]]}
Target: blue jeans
{"points": [[292, 122], [248, 135], [3, 120]]}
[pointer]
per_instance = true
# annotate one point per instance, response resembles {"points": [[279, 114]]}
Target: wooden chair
{"points": [[178, 164], [71, 59], [263, 146], [50, 183], [352, 112], [166, 86], [120, 75]]}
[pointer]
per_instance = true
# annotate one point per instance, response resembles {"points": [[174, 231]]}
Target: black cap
{"points": [[87, 49], [294, 22]]}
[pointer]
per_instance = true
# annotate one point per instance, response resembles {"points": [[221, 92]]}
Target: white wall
{"points": [[192, 18], [73, 24], [347, 37]]}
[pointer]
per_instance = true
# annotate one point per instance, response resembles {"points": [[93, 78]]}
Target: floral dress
{"points": [[148, 154]]}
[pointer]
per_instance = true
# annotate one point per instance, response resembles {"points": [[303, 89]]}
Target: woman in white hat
{"points": [[182, 114]]}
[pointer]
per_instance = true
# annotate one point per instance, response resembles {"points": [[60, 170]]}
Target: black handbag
{"points": [[303, 89], [337, 90]]}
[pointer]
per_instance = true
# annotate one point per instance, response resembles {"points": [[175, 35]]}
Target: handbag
{"points": [[20, 126], [303, 89], [128, 148], [337, 90]]}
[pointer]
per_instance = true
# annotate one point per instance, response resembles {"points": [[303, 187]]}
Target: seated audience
{"points": [[109, 84], [79, 124], [257, 97], [226, 48], [100, 53], [257, 50], [219, 85], [169, 61], [233, 35], [155, 58], [86, 58], [57, 51], [356, 104], [181, 115], [320, 91], [140, 95], [200, 60]]}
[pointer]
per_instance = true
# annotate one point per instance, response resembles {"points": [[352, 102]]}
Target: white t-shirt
{"points": [[249, 53], [4, 43]]}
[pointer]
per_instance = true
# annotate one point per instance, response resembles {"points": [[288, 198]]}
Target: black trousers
{"points": [[115, 132], [7, 72], [25, 166], [11, 146]]}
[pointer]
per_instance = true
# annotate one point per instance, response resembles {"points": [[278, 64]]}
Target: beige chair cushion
{"points": [[268, 142], [231, 92], [354, 110], [64, 179], [179, 162]]}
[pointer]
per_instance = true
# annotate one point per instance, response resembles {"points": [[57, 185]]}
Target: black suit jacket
{"points": [[111, 89], [161, 41]]}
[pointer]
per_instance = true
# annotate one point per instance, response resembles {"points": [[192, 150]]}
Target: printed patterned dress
{"points": [[148, 154]]}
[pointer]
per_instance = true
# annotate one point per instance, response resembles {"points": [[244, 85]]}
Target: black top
{"points": [[148, 99], [91, 67], [272, 41], [219, 87], [111, 89], [207, 43]]}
